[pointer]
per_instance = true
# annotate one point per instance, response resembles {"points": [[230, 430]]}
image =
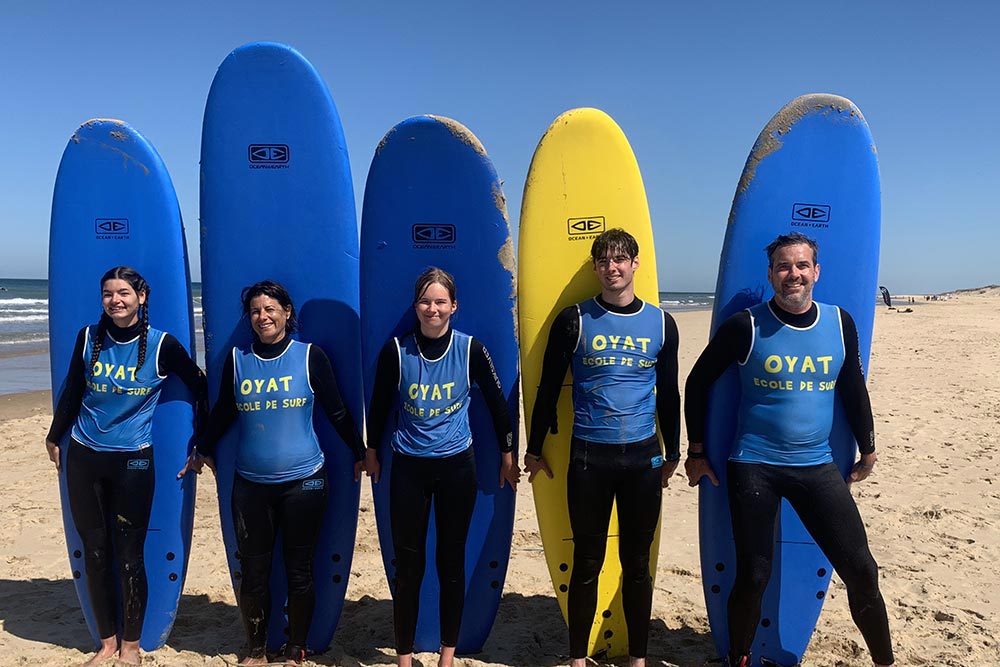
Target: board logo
{"points": [[137, 464], [111, 228], [268, 156], [428, 235], [585, 228], [810, 215], [312, 484]]}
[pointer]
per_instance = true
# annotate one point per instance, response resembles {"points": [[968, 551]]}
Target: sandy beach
{"points": [[931, 508]]}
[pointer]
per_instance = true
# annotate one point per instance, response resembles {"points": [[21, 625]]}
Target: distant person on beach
{"points": [[432, 455], [280, 480], [615, 452], [111, 390], [782, 448]]}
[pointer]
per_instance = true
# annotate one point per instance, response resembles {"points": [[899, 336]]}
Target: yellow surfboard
{"points": [[583, 180]]}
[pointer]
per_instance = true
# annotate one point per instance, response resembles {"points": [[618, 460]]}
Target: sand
{"points": [[931, 508]]}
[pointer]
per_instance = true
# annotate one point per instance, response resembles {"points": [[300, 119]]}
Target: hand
{"points": [[372, 467], [53, 450], [509, 472], [532, 464], [698, 468], [669, 468], [862, 468], [359, 466], [194, 462]]}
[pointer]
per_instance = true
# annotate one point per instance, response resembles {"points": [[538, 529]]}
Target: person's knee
{"points": [[255, 570], [753, 575], [861, 577]]}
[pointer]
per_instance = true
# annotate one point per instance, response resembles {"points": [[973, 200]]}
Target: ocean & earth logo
{"points": [[111, 228], [810, 215], [429, 235], [590, 227], [312, 484], [268, 156], [137, 464]]}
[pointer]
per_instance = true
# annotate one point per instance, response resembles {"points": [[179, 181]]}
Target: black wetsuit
{"points": [[450, 481], [295, 507], [599, 474], [103, 484], [819, 494]]}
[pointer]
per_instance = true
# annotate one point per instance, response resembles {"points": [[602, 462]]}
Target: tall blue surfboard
{"points": [[114, 204], [433, 198], [813, 170], [277, 202]]}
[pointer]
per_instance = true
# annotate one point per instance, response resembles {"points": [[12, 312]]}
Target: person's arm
{"points": [[386, 385], [484, 374], [68, 407], [173, 358], [854, 396], [668, 397], [223, 412], [558, 354], [729, 344], [324, 386]]}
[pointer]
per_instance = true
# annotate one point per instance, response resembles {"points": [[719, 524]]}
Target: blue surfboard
{"points": [[114, 204], [277, 202], [813, 170], [433, 198]]}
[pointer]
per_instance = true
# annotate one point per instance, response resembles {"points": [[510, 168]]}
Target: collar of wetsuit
{"points": [[791, 319], [433, 348], [634, 307], [121, 334], [271, 350]]}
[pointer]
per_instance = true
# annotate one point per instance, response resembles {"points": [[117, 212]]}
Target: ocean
{"points": [[24, 329]]}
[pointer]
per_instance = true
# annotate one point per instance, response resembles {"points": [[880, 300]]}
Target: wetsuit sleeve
{"points": [[72, 395], [668, 397], [558, 354], [852, 389], [729, 344], [175, 359], [324, 386], [386, 383], [485, 375], [223, 412]]}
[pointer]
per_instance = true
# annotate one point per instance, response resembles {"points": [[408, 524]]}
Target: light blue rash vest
{"points": [[614, 373], [274, 399], [116, 414], [433, 399], [788, 389]]}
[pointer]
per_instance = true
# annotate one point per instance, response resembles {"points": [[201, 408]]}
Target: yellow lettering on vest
{"points": [[599, 343], [773, 364], [629, 344], [826, 363], [614, 341], [258, 385], [246, 387], [131, 369], [645, 343], [413, 391], [808, 366], [436, 393], [107, 370], [447, 388], [424, 388], [791, 361], [284, 381], [272, 384]]}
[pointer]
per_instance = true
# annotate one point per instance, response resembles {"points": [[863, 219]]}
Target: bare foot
{"points": [[447, 658], [248, 661], [107, 651], [128, 654], [404, 660]]}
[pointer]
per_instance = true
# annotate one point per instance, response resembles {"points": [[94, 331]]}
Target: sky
{"points": [[690, 83]]}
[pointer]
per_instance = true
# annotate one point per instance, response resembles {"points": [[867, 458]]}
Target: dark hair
{"points": [[616, 240], [795, 238], [277, 292], [137, 283], [430, 276]]}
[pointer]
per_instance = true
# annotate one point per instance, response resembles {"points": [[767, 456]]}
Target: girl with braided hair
{"points": [[111, 390]]}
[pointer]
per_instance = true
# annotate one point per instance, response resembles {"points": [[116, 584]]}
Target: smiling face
{"points": [[616, 273], [121, 302], [792, 274], [434, 310], [268, 318]]}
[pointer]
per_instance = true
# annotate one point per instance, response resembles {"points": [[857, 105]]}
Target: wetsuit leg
{"points": [[302, 506], [87, 486], [823, 501], [255, 523], [638, 495], [133, 483], [590, 495], [454, 501], [753, 503], [409, 514]]}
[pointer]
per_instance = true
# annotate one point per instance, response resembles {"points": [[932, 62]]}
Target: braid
{"points": [[144, 320], [96, 351]]}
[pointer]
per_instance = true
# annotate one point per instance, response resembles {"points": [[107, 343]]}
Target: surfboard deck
{"points": [[433, 198], [114, 204], [813, 170], [583, 180], [277, 202]]}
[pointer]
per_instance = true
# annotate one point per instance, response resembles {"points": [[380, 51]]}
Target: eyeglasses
{"points": [[617, 260]]}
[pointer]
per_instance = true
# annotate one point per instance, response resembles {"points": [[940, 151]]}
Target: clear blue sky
{"points": [[691, 84]]}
